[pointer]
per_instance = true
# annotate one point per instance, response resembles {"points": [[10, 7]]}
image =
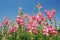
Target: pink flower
{"points": [[19, 20], [6, 21], [50, 14], [38, 6], [35, 31], [33, 17], [39, 17], [45, 31], [12, 29], [28, 26], [32, 24], [30, 21], [54, 32], [53, 12], [49, 30]]}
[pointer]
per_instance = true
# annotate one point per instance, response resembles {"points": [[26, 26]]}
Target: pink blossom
{"points": [[52, 30], [19, 20], [34, 23], [31, 25], [28, 26], [30, 21], [12, 29], [49, 30], [50, 14], [53, 12], [45, 31], [39, 17], [33, 17], [35, 31], [6, 21]]}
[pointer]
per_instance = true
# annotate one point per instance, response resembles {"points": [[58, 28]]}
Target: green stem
{"points": [[19, 32], [55, 22], [51, 22], [5, 31]]}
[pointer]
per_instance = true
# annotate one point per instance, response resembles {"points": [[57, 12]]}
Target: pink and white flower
{"points": [[12, 29]]}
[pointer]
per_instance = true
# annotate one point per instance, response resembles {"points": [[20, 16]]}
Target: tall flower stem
{"points": [[5, 31], [31, 35], [55, 22], [51, 22], [18, 33], [0, 32], [0, 35]]}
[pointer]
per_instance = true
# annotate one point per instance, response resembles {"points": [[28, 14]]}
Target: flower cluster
{"points": [[50, 14], [35, 26], [31, 26], [49, 30], [19, 20], [39, 17]]}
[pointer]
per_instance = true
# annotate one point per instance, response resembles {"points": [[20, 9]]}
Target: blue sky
{"points": [[9, 7]]}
